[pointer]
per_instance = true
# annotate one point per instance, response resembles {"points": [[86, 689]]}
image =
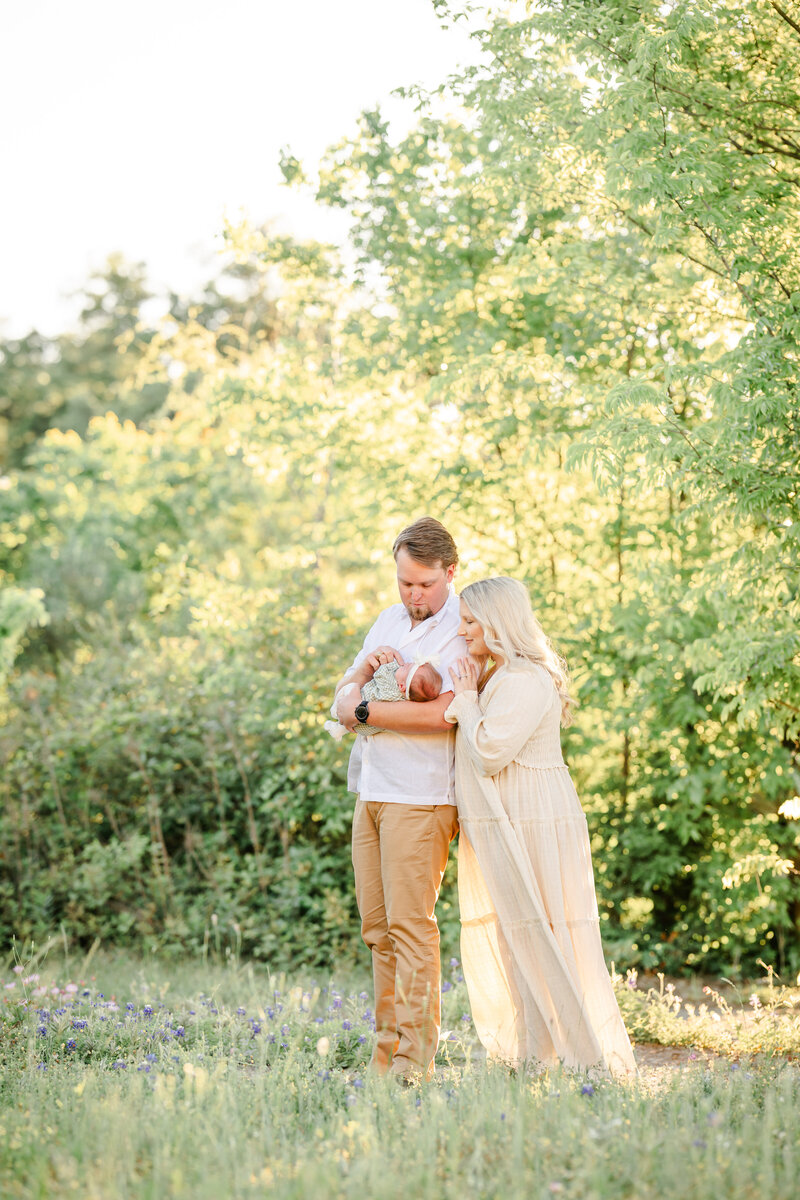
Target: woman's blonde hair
{"points": [[510, 628]]}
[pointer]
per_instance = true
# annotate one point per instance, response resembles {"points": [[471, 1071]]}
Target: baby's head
{"points": [[426, 682]]}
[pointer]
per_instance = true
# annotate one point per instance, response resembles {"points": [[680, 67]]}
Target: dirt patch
{"points": [[651, 1056]]}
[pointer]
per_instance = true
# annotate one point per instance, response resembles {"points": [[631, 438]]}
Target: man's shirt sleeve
{"points": [[371, 640]]}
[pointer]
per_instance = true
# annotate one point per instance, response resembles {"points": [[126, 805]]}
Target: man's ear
{"points": [[451, 570]]}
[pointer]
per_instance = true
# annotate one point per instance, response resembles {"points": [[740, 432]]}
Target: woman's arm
{"points": [[515, 706]]}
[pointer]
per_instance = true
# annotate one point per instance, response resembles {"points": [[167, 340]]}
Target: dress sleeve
{"points": [[514, 709]]}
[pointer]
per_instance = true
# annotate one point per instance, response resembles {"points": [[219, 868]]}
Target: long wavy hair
{"points": [[502, 607]]}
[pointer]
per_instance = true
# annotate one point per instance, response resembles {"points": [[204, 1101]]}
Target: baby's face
{"points": [[401, 675]]}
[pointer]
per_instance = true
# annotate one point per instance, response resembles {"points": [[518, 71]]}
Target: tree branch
{"points": [[785, 16]]}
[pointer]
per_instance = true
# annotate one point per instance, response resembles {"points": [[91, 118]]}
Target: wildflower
{"points": [[323, 1075], [358, 1083], [18, 969], [446, 985], [148, 1010], [454, 962], [346, 1025], [42, 1031], [119, 1065], [71, 1043], [256, 1028], [130, 1007], [466, 1018], [587, 1090], [179, 1032], [284, 1029], [361, 1039], [363, 996], [151, 1058], [72, 988], [240, 1012]]}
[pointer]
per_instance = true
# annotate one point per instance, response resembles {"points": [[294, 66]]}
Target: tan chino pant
{"points": [[399, 857]]}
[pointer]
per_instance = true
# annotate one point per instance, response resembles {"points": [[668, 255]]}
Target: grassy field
{"points": [[148, 1079]]}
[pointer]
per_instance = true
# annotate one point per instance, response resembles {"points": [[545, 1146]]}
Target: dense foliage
{"points": [[567, 326]]}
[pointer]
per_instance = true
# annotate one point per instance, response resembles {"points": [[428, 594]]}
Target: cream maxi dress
{"points": [[530, 940]]}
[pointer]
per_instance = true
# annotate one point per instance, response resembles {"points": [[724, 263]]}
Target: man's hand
{"points": [[346, 708], [383, 654], [365, 670]]}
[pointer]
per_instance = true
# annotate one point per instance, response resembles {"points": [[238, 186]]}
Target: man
{"points": [[405, 815]]}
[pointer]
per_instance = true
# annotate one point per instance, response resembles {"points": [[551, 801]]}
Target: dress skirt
{"points": [[531, 950]]}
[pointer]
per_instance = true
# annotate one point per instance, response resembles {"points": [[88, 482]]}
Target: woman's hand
{"points": [[465, 675]]}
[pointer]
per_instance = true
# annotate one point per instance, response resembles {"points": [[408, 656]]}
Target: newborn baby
{"points": [[411, 681]]}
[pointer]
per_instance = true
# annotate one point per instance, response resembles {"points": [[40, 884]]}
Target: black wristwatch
{"points": [[362, 712]]}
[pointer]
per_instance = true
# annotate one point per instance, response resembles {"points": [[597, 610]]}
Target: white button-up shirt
{"points": [[410, 768]]}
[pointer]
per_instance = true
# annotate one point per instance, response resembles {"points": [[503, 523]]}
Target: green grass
{"points": [[184, 1094]]}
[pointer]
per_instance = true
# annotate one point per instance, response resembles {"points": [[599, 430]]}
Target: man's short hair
{"points": [[427, 542]]}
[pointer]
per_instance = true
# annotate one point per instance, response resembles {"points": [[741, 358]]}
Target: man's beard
{"points": [[418, 612]]}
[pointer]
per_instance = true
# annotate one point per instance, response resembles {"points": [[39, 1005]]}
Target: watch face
{"points": [[362, 712]]}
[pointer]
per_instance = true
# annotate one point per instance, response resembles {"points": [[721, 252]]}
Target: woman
{"points": [[531, 950]]}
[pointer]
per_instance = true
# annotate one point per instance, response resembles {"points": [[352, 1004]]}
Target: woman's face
{"points": [[472, 632]]}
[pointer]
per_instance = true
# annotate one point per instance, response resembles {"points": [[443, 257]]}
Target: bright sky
{"points": [[136, 127]]}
